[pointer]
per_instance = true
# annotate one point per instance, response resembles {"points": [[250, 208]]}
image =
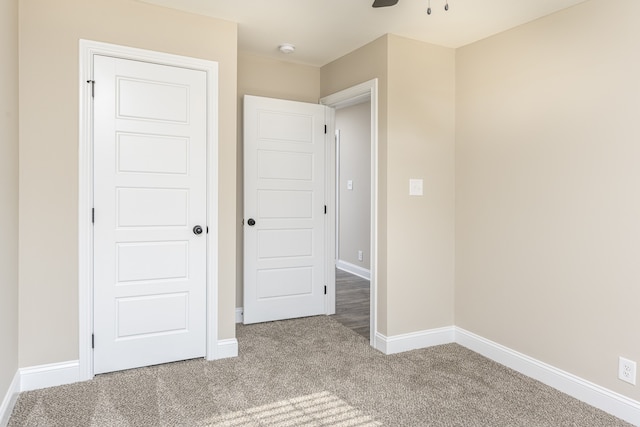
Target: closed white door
{"points": [[149, 200], [284, 209]]}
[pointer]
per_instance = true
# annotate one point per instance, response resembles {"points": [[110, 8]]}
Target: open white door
{"points": [[284, 209], [149, 197]]}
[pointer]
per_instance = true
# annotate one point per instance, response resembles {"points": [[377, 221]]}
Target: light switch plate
{"points": [[349, 184], [415, 187]]}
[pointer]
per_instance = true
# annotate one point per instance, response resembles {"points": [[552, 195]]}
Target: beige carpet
{"points": [[311, 372]]}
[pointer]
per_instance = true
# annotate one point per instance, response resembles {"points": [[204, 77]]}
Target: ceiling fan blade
{"points": [[384, 3]]}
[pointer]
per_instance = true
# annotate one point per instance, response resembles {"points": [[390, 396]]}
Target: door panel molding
{"points": [[284, 199], [87, 50]]}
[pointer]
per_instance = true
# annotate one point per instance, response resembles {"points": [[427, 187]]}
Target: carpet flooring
{"points": [[311, 372]]}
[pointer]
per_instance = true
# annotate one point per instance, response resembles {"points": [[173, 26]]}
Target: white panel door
{"points": [[284, 213], [149, 194]]}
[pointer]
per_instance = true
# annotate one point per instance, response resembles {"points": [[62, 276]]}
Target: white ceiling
{"points": [[324, 30]]}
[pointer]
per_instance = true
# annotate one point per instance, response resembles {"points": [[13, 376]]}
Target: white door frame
{"points": [[88, 49], [344, 98]]}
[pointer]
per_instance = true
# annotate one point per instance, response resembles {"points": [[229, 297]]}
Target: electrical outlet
{"points": [[627, 370], [360, 256], [415, 187]]}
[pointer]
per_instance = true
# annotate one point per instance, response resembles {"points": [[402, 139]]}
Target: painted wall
{"points": [[548, 189], [8, 193], [354, 124], [260, 76], [416, 140], [421, 145], [48, 267], [364, 64]]}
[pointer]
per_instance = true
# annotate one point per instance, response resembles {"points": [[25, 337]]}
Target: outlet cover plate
{"points": [[627, 370], [415, 187]]}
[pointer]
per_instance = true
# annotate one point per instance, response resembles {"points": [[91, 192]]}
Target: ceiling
{"points": [[324, 30]]}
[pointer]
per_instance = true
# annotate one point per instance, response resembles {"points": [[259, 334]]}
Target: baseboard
{"points": [[413, 341], [227, 348], [590, 393], [54, 374], [9, 400], [239, 314], [353, 269]]}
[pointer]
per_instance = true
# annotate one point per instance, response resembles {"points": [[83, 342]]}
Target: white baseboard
{"points": [[353, 269], [590, 393], [54, 374], [239, 314], [9, 400], [413, 341], [227, 348]]}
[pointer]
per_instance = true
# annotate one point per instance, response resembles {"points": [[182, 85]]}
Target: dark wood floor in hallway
{"points": [[352, 302]]}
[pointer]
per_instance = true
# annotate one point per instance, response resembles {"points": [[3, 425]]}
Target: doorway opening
{"points": [[353, 215], [355, 195]]}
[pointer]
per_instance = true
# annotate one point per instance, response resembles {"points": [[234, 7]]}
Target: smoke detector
{"points": [[286, 48]]}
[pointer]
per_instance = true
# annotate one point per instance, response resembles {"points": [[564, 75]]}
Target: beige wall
{"points": [[367, 63], [354, 124], [261, 76], [270, 78], [48, 267], [547, 186], [421, 144], [8, 193], [416, 140]]}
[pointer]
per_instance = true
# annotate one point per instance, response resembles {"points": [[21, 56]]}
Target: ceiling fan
{"points": [[385, 3]]}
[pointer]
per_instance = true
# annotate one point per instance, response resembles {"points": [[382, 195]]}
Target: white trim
{"points": [[415, 340], [50, 375], [588, 392], [331, 241], [353, 269], [212, 208], [239, 314], [227, 348], [357, 94], [336, 210], [88, 49], [9, 400]]}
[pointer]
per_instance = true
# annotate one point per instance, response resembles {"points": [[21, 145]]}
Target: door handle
{"points": [[197, 230], [251, 222]]}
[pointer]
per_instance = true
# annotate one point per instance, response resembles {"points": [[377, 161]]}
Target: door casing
{"points": [[88, 49]]}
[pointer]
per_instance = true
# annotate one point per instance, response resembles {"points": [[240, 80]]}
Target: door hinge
{"points": [[93, 87], [325, 209], [93, 342], [325, 289], [93, 215], [325, 129]]}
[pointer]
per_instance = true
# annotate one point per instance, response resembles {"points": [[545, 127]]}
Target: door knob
{"points": [[251, 222], [197, 230]]}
